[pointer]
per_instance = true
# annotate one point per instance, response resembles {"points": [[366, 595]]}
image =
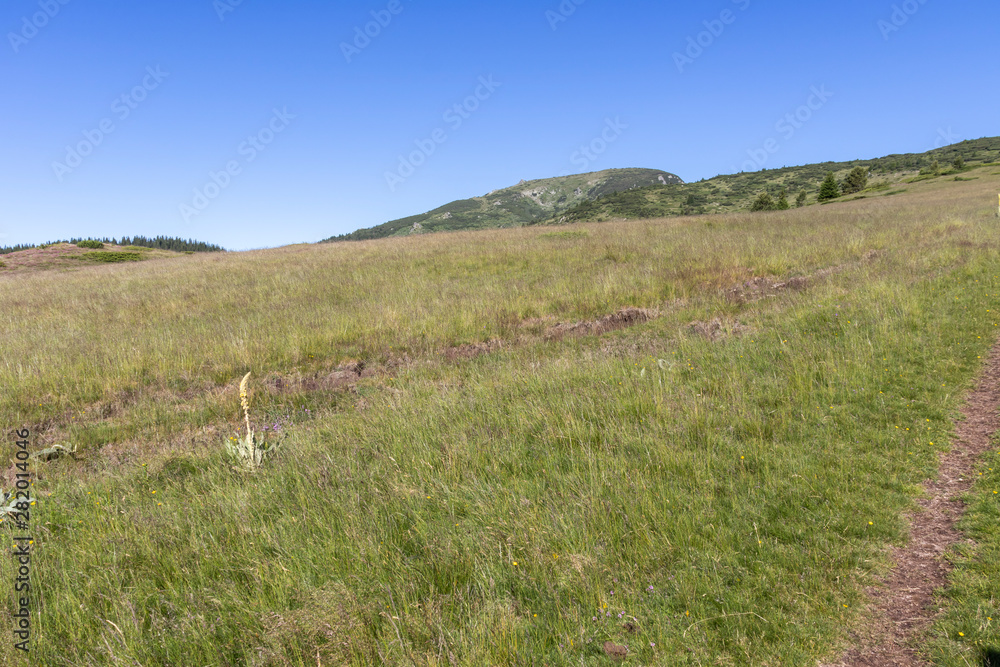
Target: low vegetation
{"points": [[109, 257], [471, 476], [523, 204], [736, 192]]}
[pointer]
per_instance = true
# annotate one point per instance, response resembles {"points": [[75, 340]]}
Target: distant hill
{"points": [[523, 204], [735, 192]]}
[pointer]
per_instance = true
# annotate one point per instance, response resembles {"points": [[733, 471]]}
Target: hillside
{"points": [[69, 257], [522, 204], [696, 443], [888, 175]]}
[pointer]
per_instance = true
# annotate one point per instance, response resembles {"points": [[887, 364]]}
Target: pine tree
{"points": [[763, 202], [856, 181], [829, 190], [800, 201], [783, 201]]}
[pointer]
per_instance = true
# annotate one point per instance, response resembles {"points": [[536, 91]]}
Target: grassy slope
{"points": [[732, 497], [892, 174], [68, 257], [515, 206]]}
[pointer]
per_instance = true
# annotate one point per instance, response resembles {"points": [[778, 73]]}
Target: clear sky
{"points": [[256, 123]]}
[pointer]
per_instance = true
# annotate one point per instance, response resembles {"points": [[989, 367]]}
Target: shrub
{"points": [[958, 164], [95, 245], [800, 201], [933, 170], [110, 257]]}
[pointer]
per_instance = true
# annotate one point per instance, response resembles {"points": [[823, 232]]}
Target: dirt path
{"points": [[901, 606]]}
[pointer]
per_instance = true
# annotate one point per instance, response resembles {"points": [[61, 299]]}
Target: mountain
{"points": [[523, 204], [736, 191]]}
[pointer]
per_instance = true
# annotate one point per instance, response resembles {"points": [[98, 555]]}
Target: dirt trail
{"points": [[901, 606]]}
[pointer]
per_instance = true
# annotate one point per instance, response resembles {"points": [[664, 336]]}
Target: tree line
{"points": [[855, 181], [176, 244]]}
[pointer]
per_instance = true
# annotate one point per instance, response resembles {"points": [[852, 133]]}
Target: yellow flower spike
{"points": [[244, 400]]}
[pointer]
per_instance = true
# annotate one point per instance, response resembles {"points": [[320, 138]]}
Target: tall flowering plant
{"points": [[249, 451]]}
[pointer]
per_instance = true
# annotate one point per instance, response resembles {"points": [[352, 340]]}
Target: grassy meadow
{"points": [[456, 485]]}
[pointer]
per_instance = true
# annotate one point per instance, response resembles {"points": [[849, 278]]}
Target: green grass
{"points": [[971, 625], [879, 187], [731, 498], [110, 257]]}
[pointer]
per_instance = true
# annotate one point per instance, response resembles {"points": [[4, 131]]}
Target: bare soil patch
{"points": [[902, 606], [472, 350], [718, 329], [626, 317], [762, 287]]}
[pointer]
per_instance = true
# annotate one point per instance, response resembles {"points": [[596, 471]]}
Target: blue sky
{"points": [[259, 123]]}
